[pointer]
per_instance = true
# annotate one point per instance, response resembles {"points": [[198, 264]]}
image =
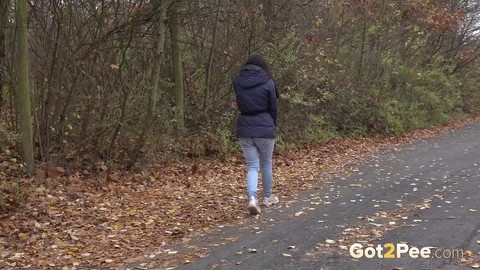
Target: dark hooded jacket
{"points": [[256, 96]]}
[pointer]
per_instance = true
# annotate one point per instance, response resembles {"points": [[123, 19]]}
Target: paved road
{"points": [[424, 194]]}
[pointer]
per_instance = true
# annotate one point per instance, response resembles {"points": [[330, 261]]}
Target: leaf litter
{"points": [[93, 220]]}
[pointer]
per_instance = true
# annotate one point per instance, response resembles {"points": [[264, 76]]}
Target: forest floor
{"points": [[107, 221]]}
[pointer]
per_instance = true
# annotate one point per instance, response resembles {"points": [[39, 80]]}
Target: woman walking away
{"points": [[256, 96]]}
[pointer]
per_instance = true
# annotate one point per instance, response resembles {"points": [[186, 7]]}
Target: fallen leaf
{"points": [[330, 241], [23, 236], [299, 213], [37, 225], [73, 237]]}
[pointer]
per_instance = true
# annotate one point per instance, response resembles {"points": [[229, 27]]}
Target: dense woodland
{"points": [[112, 84]]}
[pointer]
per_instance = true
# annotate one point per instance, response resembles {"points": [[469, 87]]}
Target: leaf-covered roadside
{"points": [[105, 221]]}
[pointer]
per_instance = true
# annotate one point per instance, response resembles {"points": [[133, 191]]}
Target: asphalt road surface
{"points": [[425, 194]]}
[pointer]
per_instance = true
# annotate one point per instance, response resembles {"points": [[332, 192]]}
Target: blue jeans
{"points": [[258, 153]]}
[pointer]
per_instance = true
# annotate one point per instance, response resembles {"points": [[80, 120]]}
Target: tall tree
{"points": [[3, 25], [208, 75], [177, 68], [159, 32], [23, 94]]}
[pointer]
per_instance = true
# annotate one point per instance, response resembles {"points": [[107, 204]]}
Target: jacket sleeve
{"points": [[272, 102]]}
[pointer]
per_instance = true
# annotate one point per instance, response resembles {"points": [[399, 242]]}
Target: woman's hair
{"points": [[258, 60]]}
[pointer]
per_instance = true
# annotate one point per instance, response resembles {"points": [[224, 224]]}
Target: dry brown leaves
{"points": [[367, 232], [105, 221]]}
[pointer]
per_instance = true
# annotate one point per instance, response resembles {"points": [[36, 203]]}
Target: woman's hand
{"points": [[233, 104]]}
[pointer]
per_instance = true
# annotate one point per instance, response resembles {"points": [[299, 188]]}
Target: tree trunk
{"points": [[3, 26], [4, 5], [178, 70], [161, 9], [362, 48], [208, 75], [23, 95]]}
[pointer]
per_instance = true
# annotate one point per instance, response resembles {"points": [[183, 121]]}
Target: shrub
{"points": [[319, 130]]}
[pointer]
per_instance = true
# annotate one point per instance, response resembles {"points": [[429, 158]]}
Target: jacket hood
{"points": [[251, 76]]}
